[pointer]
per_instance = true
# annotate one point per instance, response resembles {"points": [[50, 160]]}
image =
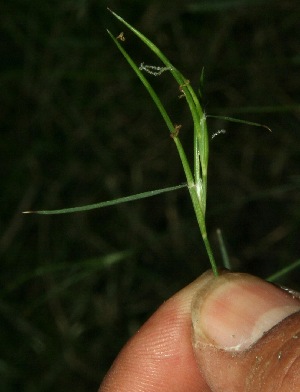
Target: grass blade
{"points": [[108, 203], [237, 120], [284, 271]]}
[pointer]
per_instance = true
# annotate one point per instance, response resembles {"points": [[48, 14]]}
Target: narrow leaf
{"points": [[284, 271], [102, 204], [237, 120]]}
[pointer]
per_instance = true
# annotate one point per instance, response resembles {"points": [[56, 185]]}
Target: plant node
{"points": [[181, 88], [176, 130]]}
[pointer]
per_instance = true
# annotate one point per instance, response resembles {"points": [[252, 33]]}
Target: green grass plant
{"points": [[196, 179], [196, 182]]}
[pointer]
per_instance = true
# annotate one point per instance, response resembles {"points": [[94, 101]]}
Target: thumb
{"points": [[246, 334]]}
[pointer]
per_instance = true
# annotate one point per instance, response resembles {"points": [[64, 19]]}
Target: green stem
{"points": [[197, 203], [201, 222]]}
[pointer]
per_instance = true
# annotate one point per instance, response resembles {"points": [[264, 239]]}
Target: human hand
{"points": [[232, 333]]}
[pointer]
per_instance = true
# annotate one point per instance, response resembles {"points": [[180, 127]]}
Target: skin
{"points": [[185, 346]]}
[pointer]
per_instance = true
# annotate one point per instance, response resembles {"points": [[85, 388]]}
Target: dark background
{"points": [[77, 127]]}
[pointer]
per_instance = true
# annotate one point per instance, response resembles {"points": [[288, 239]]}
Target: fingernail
{"points": [[232, 311]]}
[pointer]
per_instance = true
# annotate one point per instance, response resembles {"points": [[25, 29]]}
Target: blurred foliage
{"points": [[77, 127]]}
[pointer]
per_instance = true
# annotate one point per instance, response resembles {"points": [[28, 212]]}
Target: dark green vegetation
{"points": [[77, 127]]}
